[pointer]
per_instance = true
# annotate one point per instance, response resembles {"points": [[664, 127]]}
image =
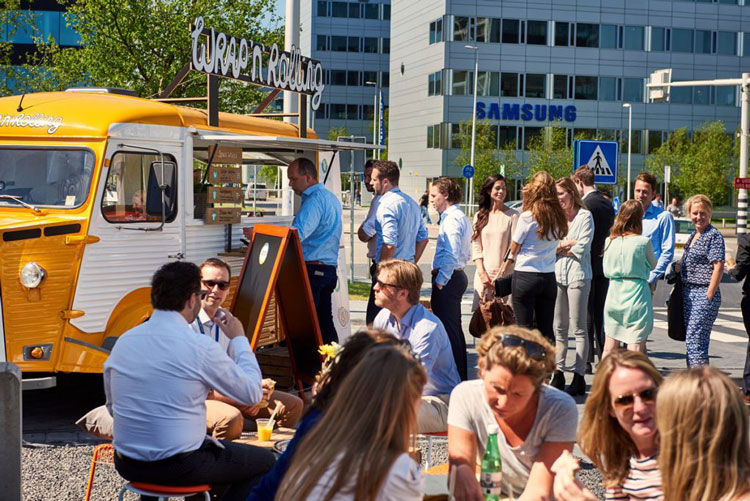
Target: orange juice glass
{"points": [[265, 428]]}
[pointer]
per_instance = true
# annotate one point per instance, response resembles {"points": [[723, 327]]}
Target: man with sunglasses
{"points": [[397, 288], [224, 412], [156, 381]]}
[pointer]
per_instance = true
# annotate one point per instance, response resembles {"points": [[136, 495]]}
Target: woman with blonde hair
{"points": [[628, 260], [618, 432], [359, 448], [533, 422], [701, 269], [573, 273], [540, 227], [704, 447]]}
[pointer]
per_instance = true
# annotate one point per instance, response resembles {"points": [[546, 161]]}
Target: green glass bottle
{"points": [[492, 470]]}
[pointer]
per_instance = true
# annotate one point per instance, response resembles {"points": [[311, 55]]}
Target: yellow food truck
{"points": [[97, 190]]}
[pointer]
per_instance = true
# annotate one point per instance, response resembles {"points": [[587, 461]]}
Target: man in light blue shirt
{"points": [[658, 226], [397, 290], [156, 380], [318, 224], [399, 226], [449, 280]]}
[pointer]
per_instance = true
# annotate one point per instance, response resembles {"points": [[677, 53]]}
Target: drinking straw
{"points": [[451, 484], [273, 414]]}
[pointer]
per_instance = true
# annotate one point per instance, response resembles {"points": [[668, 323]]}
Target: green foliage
{"points": [[270, 174], [143, 44], [335, 132], [550, 152], [487, 158], [701, 164]]}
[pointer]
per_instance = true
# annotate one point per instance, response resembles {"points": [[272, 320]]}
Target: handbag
{"points": [[492, 312], [675, 312]]}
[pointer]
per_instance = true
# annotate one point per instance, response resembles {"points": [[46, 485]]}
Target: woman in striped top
{"points": [[618, 432]]}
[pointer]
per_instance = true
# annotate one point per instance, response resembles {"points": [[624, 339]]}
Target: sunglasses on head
{"points": [[534, 350], [213, 283], [627, 401]]}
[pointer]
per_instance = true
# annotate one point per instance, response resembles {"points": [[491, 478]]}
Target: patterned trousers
{"points": [[699, 318]]}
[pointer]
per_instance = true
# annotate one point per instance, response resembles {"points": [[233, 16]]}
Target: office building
{"points": [[352, 41], [573, 62]]}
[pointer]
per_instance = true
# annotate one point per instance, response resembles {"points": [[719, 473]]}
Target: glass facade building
{"points": [[352, 41], [570, 62]]}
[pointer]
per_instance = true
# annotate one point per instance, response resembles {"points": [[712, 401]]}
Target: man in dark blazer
{"points": [[604, 216], [738, 271]]}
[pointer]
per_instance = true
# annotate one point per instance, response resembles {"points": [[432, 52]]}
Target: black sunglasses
{"points": [[202, 293], [382, 284], [213, 283], [627, 401], [534, 350]]}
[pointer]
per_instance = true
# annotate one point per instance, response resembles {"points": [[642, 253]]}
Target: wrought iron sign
{"points": [[241, 59]]}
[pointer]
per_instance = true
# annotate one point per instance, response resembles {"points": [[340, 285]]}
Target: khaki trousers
{"points": [[433, 414], [223, 421]]}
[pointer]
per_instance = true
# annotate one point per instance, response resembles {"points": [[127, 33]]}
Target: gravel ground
{"points": [[59, 472]]}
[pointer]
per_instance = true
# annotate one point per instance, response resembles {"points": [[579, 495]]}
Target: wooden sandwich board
{"points": [[274, 262]]}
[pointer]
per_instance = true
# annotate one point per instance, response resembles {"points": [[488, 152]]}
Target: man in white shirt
{"points": [[367, 233], [156, 381], [215, 276]]}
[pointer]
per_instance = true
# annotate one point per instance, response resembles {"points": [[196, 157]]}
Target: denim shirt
{"points": [[319, 225], [399, 223], [453, 244]]}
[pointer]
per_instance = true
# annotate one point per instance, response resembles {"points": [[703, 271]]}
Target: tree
{"points": [[335, 132], [701, 164], [487, 158], [142, 45], [269, 173], [549, 151]]}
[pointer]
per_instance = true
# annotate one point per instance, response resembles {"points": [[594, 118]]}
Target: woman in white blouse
{"points": [[573, 274], [359, 449], [493, 227]]}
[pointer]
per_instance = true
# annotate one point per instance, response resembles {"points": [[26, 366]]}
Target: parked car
{"points": [[257, 191], [514, 204], [683, 227]]}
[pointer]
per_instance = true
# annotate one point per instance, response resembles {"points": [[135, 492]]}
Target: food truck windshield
{"points": [[45, 177]]}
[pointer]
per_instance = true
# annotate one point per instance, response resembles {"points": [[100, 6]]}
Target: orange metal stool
{"points": [[165, 491], [103, 454]]}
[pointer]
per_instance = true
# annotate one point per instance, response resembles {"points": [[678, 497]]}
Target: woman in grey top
{"points": [[573, 274], [534, 422]]}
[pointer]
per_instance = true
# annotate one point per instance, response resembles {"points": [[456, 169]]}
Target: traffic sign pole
{"points": [[742, 195]]}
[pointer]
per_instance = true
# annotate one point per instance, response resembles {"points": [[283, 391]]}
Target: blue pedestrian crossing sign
{"points": [[616, 204], [468, 171], [599, 156]]}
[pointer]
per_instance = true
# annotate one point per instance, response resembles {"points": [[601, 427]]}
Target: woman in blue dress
{"points": [[701, 269]]}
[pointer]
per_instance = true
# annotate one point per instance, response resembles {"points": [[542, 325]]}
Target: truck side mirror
{"points": [[162, 174]]}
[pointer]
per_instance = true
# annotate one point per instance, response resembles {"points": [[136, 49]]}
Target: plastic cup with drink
{"points": [[265, 428]]}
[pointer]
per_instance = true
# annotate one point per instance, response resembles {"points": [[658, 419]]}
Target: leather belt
{"points": [[435, 272], [314, 262]]}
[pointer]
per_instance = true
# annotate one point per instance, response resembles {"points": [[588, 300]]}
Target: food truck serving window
{"points": [[126, 192], [45, 177]]}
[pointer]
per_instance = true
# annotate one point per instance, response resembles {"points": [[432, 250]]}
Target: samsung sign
{"points": [[526, 112]]}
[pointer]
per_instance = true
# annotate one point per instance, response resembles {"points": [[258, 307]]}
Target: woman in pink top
{"points": [[493, 226]]}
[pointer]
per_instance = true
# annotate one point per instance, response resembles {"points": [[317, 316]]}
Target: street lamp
{"points": [[473, 122], [630, 140], [375, 111]]}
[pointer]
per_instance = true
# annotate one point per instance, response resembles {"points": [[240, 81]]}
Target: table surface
{"points": [[278, 434]]}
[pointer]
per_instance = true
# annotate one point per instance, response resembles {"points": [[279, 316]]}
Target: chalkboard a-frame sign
{"points": [[274, 262]]}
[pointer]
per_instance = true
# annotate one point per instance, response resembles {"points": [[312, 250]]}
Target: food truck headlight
{"points": [[32, 275]]}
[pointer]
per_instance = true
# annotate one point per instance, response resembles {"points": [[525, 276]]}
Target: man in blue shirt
{"points": [[318, 224], [400, 229], [397, 290], [658, 226], [452, 251]]}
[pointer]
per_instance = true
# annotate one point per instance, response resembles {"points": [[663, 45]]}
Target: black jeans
{"points": [[232, 472], [372, 309], [534, 296], [595, 322], [446, 305], [745, 305], [323, 281]]}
